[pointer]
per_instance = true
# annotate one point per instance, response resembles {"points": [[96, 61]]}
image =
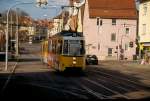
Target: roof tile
{"points": [[112, 8]]}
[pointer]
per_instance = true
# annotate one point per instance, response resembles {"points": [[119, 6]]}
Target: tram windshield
{"points": [[73, 47]]}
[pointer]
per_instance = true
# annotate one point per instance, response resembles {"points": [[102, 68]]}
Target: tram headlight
{"points": [[74, 62], [74, 58]]}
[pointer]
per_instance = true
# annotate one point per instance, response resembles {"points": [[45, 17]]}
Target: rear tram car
{"points": [[64, 50]]}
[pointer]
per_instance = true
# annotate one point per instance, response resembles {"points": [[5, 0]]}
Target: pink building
{"points": [[110, 28]]}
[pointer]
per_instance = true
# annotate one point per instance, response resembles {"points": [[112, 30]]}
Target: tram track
{"points": [[64, 91], [106, 88], [124, 86], [57, 83], [94, 93], [81, 82], [116, 84], [78, 87], [68, 91], [108, 75]]}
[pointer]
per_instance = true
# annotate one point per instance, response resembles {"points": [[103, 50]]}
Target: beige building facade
{"points": [[144, 24]]}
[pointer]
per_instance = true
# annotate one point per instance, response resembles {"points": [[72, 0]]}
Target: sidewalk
{"points": [[10, 67]]}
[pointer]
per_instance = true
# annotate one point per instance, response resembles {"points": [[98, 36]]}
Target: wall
{"points": [[144, 19], [93, 36]]}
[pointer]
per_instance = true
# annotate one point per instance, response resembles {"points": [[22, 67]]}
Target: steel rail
{"points": [[117, 82], [98, 95], [121, 78], [92, 92], [83, 90], [57, 89], [110, 90]]}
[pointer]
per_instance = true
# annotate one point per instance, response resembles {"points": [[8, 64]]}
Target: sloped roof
{"points": [[112, 9]]}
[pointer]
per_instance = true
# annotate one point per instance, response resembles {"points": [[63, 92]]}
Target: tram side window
{"points": [[59, 47], [53, 47], [44, 47], [65, 47], [82, 48], [41, 47], [50, 46]]}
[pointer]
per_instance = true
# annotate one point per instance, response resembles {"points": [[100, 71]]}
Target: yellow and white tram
{"points": [[64, 50]]}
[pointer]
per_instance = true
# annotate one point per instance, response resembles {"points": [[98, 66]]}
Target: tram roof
{"points": [[69, 33]]}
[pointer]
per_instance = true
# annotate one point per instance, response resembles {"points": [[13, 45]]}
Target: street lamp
{"points": [[17, 40], [138, 41], [99, 24], [20, 3]]}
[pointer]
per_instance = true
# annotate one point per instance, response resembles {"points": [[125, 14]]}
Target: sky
{"points": [[34, 11]]}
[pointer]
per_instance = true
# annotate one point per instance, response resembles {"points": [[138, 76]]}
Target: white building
{"points": [[144, 24]]}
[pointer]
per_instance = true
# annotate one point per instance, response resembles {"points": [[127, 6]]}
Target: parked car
{"points": [[91, 60]]}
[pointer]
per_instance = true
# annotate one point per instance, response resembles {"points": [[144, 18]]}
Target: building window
{"points": [[113, 21], [113, 37], [126, 46], [127, 30], [110, 51], [97, 21], [98, 46], [145, 9], [144, 28]]}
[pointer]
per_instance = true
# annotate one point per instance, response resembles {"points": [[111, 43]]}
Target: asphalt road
{"points": [[32, 79]]}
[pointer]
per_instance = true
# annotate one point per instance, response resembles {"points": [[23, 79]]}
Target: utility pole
{"points": [[17, 40], [11, 34], [99, 23]]}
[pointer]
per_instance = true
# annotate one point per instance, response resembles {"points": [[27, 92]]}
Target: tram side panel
{"points": [[44, 53], [53, 55]]}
